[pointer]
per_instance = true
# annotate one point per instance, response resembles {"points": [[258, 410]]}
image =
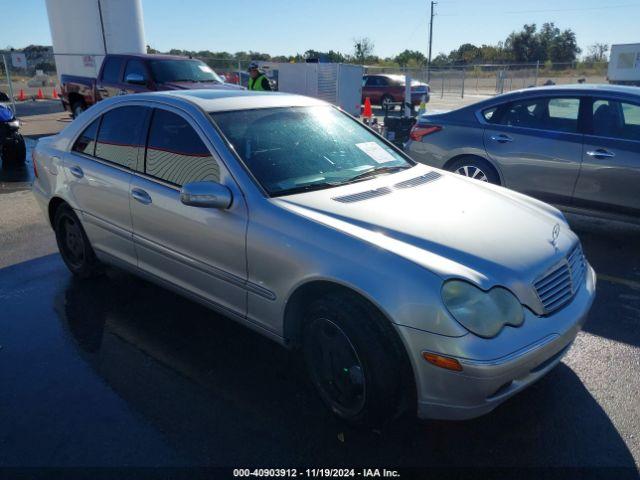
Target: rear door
{"points": [[537, 146], [201, 250], [98, 170], [109, 84], [609, 180]]}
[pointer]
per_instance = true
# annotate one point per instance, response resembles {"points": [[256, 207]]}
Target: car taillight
{"points": [[33, 161], [420, 131]]}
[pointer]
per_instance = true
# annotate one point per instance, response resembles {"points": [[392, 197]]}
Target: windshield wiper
{"points": [[372, 172], [309, 187]]}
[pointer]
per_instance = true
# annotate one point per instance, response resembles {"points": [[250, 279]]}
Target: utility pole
{"points": [[430, 42]]}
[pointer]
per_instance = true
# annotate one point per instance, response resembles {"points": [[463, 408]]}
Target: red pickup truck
{"points": [[135, 73]]}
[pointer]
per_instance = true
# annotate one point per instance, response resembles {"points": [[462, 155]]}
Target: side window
{"points": [[135, 67], [111, 70], [86, 142], [559, 114], [120, 135], [612, 118], [489, 114], [383, 82], [372, 81], [175, 152]]}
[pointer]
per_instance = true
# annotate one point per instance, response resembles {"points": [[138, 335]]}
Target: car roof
{"points": [[583, 88], [151, 56], [211, 100]]}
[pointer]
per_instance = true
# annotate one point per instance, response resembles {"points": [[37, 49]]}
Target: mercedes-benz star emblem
{"points": [[555, 234]]}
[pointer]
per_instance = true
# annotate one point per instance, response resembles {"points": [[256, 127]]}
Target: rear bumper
{"points": [[486, 382]]}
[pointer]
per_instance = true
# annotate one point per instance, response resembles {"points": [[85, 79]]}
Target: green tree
{"points": [[362, 49], [410, 56]]}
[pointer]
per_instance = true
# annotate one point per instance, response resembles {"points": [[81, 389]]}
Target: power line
{"points": [[550, 10]]}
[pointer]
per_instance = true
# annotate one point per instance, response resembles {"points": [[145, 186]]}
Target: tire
{"points": [[355, 360], [475, 167], [74, 245], [14, 150], [77, 108], [386, 98]]}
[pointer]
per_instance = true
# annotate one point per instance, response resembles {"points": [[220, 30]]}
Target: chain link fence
{"points": [[487, 80]]}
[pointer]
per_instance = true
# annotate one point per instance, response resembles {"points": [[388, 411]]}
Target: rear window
{"points": [[120, 135], [111, 70]]}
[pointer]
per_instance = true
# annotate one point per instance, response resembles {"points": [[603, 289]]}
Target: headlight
{"points": [[14, 123], [483, 313]]}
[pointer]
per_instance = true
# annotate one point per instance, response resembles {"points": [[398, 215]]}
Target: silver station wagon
{"points": [[404, 287]]}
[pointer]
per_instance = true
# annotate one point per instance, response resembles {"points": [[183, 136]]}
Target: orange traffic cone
{"points": [[54, 95], [40, 95], [367, 108], [21, 96]]}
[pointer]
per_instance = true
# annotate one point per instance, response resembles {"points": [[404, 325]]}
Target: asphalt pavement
{"points": [[117, 372]]}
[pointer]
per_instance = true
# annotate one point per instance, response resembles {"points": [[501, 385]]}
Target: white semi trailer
{"points": [[624, 64], [83, 32]]}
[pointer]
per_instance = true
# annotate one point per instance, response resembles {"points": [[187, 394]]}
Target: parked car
{"points": [[13, 150], [383, 88], [403, 286], [136, 73], [577, 147]]}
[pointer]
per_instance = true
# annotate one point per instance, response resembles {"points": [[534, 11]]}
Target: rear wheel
{"points": [[353, 359], [77, 108], [386, 101], [476, 168], [74, 246]]}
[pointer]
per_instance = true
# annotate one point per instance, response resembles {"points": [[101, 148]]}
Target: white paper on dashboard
{"points": [[376, 152]]}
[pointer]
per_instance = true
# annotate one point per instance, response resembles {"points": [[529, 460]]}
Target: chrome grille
{"points": [[556, 288]]}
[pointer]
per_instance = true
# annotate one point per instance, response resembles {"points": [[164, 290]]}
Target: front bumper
{"points": [[494, 369]]}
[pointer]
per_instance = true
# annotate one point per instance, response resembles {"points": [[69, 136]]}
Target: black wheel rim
{"points": [[335, 367], [71, 241]]}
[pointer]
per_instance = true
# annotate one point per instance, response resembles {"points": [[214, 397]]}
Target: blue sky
{"points": [[288, 26]]}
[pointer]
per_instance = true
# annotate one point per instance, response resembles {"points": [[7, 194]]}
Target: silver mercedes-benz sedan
{"points": [[405, 288], [575, 146]]}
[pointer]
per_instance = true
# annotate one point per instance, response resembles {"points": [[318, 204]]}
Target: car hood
{"points": [[200, 86], [451, 225]]}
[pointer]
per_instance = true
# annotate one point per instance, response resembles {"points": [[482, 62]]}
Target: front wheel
{"points": [[353, 359], [74, 246], [14, 150]]}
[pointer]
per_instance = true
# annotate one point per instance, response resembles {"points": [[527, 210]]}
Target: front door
{"points": [[609, 180], [536, 144], [201, 250], [110, 82]]}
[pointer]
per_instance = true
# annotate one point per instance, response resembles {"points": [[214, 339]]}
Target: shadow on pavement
{"points": [[223, 395], [613, 249]]}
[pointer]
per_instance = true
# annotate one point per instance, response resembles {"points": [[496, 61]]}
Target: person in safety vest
{"points": [[257, 79]]}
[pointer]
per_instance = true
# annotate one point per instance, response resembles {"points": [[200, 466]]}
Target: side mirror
{"points": [[206, 195], [135, 78]]}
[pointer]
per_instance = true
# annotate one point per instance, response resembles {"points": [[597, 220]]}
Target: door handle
{"points": [[141, 196], [76, 172], [502, 138], [601, 153]]}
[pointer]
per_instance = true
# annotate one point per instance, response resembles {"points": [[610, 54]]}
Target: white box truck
{"points": [[337, 83], [624, 64]]}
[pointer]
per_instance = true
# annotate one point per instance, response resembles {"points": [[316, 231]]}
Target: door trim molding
{"points": [[205, 267]]}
